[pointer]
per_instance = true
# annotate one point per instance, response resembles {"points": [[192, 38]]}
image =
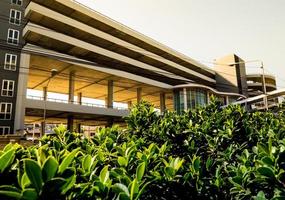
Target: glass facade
{"points": [[196, 97], [179, 100]]}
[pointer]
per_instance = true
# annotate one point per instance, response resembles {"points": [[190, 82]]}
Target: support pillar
{"points": [[71, 87], [79, 128], [79, 98], [130, 104], [70, 120], [162, 102], [227, 100], [139, 94], [208, 97], [43, 128], [110, 93], [19, 123], [44, 93], [185, 99]]}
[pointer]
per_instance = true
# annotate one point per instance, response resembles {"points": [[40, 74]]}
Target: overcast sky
{"points": [[209, 29]]}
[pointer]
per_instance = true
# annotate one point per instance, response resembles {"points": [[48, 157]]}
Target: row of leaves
{"points": [[206, 153], [99, 168]]}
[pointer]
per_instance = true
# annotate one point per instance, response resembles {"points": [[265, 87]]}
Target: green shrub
{"points": [[207, 153]]}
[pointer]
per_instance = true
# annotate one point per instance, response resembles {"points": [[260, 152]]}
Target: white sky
{"points": [[209, 29]]}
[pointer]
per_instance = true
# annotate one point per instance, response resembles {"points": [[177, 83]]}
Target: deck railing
{"points": [[74, 102]]}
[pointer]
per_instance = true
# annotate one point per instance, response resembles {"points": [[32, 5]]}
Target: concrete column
{"points": [[71, 87], [130, 104], [110, 93], [43, 128], [70, 121], [44, 93], [139, 94], [162, 102], [227, 100], [185, 99], [208, 97], [79, 98], [79, 128], [21, 93]]}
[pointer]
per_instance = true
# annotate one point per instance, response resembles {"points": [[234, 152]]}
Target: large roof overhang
{"points": [[36, 50], [62, 43], [75, 21]]}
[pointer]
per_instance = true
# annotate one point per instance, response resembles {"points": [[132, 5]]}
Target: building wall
{"points": [[241, 75], [231, 77], [5, 7]]}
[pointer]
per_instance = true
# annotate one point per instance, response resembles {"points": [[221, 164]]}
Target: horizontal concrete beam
{"points": [[36, 50], [74, 108], [30, 27]]}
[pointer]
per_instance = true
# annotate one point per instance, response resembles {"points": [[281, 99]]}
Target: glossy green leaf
{"points": [[29, 194], [49, 168], [209, 163], [120, 188], [69, 184], [34, 173], [6, 159], [122, 161], [267, 160], [10, 194], [266, 171], [196, 164], [25, 181], [87, 163], [260, 196], [104, 175], [140, 171], [67, 160], [134, 189]]}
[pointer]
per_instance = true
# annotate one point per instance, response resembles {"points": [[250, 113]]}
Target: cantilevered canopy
{"points": [[86, 34]]}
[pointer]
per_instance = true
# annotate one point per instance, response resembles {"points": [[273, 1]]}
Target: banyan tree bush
{"points": [[206, 153]]}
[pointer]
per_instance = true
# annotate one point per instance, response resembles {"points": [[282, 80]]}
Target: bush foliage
{"points": [[206, 153]]}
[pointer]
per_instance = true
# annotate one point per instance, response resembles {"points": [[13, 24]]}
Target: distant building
{"points": [[255, 84], [231, 74]]}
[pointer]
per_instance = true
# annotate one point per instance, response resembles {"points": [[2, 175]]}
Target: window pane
{"points": [[2, 108], [16, 35], [8, 58], [8, 108], [7, 131], [5, 84], [10, 34]]}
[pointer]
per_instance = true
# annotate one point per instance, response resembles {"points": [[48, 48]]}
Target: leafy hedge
{"points": [[207, 153]]}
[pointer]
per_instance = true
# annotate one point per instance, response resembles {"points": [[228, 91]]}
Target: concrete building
{"points": [[231, 74], [255, 84], [65, 63]]}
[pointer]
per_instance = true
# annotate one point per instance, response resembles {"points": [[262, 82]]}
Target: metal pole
{"points": [[264, 87], [53, 73], [44, 121], [34, 127]]}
